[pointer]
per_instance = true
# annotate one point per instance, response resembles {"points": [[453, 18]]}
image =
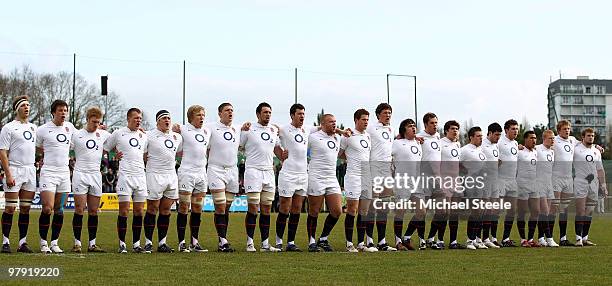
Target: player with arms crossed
{"points": [[88, 146], [17, 155], [53, 142], [130, 143]]}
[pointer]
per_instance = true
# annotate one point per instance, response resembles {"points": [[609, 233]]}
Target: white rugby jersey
{"points": [[224, 141], [546, 158], [194, 146], [382, 141], [133, 145], [508, 155], [564, 155], [587, 161], [55, 141], [19, 139], [491, 152], [450, 154], [258, 143], [323, 154], [407, 155], [88, 149], [357, 149], [432, 154], [295, 141], [161, 151], [472, 159], [527, 166]]}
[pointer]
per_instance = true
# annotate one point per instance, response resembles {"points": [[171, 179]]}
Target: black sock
{"points": [[92, 226], [328, 225], [181, 225], [361, 229], [250, 222], [24, 222], [311, 227], [220, 225], [77, 225], [121, 227], [421, 228], [478, 226], [486, 226], [226, 219], [149, 226], [520, 224], [412, 226], [281, 222], [294, 221], [494, 223], [56, 226], [349, 223], [194, 225], [579, 225], [369, 223], [43, 225], [7, 222], [587, 225], [136, 228], [264, 226], [453, 226], [562, 224], [162, 226], [508, 222], [470, 229], [398, 227], [381, 224], [533, 222], [442, 227], [551, 224], [433, 226]]}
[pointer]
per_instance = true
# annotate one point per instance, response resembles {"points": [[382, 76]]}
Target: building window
{"points": [[578, 100], [601, 110], [588, 110], [588, 89], [565, 99], [601, 89]]}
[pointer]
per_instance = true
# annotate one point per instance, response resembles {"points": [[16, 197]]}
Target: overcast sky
{"points": [[484, 60]]}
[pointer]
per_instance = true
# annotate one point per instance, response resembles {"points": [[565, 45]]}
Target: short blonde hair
{"points": [[193, 110], [563, 123], [94, 112], [548, 133]]}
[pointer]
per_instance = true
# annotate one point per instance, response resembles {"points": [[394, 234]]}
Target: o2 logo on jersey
{"points": [[27, 135], [199, 138], [364, 144], [229, 136], [265, 136], [495, 153], [62, 138], [298, 138], [481, 156], [414, 149], [169, 144], [513, 151], [533, 162], [567, 148], [134, 143], [588, 158], [549, 157], [386, 136], [454, 153], [331, 145], [90, 144], [434, 145]]}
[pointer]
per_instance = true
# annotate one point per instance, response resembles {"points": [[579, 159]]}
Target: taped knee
{"points": [[564, 203], [229, 197], [267, 198], [10, 203], [253, 198], [590, 207], [199, 201], [185, 198], [218, 198], [25, 203]]}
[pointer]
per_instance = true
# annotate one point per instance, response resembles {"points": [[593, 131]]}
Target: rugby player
{"points": [[53, 142], [17, 156], [259, 182], [544, 186], [162, 180], [130, 144], [407, 154], [528, 195], [506, 180], [491, 192], [563, 183], [589, 183], [88, 146], [193, 183]]}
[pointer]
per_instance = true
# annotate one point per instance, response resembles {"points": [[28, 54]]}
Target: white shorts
{"points": [[583, 189], [527, 190], [25, 179], [53, 181], [319, 185], [256, 181], [380, 169], [357, 187], [292, 183], [162, 185], [404, 192], [87, 183], [545, 190], [192, 182], [563, 184], [491, 190], [134, 187], [220, 178], [507, 187]]}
